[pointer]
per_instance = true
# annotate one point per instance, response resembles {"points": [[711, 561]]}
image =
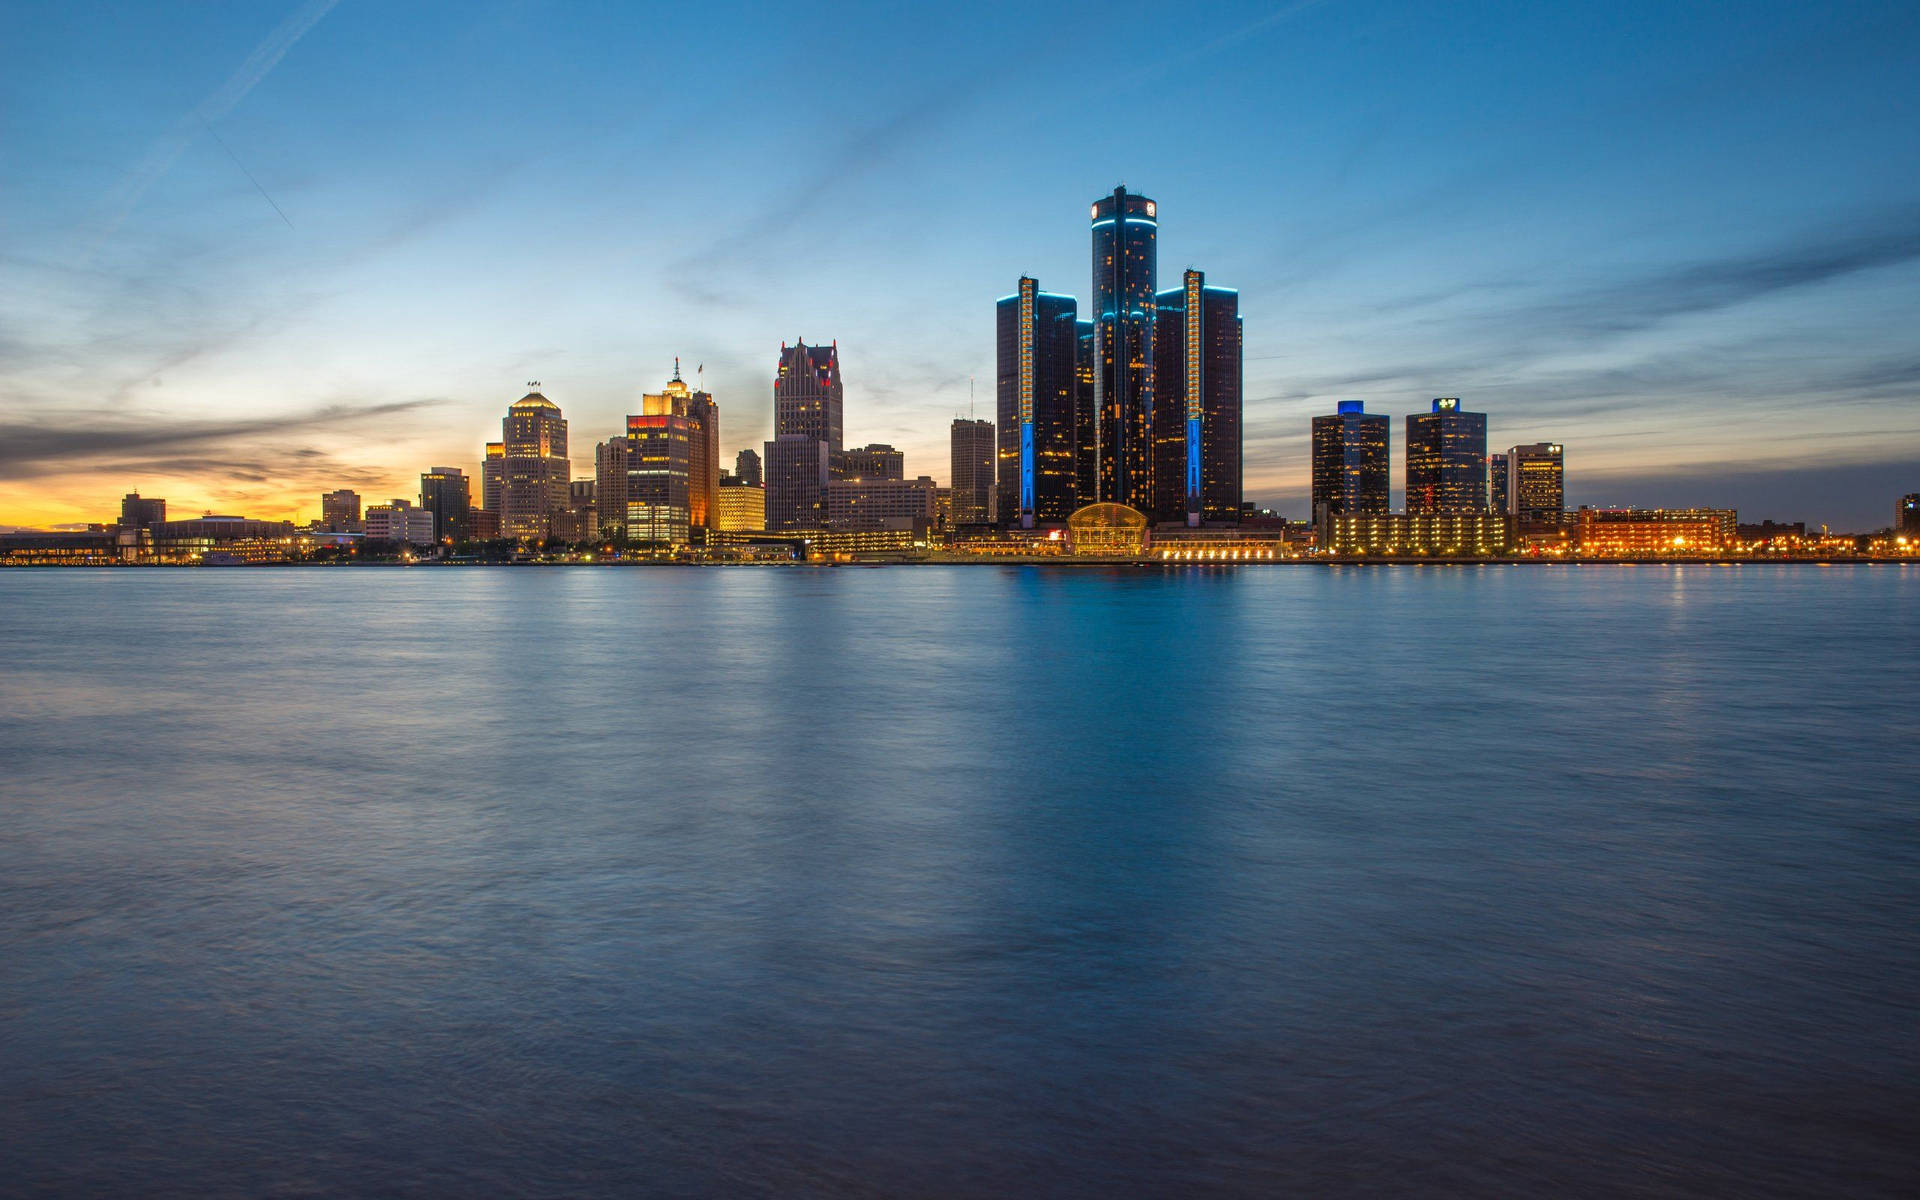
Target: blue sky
{"points": [[255, 251]]}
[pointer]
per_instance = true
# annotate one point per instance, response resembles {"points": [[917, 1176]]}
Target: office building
{"points": [[483, 525], [1536, 483], [1035, 386], [610, 486], [1906, 515], [746, 468], [798, 469], [139, 513], [807, 401], [399, 522], [1428, 534], [1630, 531], [873, 461], [1497, 482], [660, 475], [703, 467], [443, 492], [1086, 417], [579, 523], [340, 511], [535, 470], [1446, 462], [972, 472], [742, 506], [1125, 229], [493, 477], [1197, 398], [883, 504], [1350, 452]]}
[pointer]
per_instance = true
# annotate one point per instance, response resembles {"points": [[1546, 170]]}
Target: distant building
{"points": [[138, 513], [1035, 396], [1108, 529], [660, 476], [1429, 534], [537, 472], [797, 473], [703, 441], [1906, 517], [493, 477], [1446, 461], [972, 465], [742, 506], [1632, 531], [1197, 401], [1771, 531], [579, 522], [1497, 482], [746, 468], [443, 492], [399, 522], [483, 526], [223, 538], [869, 462], [1350, 455], [883, 504], [340, 511], [610, 485], [1536, 483]]}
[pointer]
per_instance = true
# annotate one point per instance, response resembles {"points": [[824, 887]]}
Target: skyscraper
{"points": [[340, 511], [660, 474], [746, 467], [493, 477], [1906, 515], [1536, 483], [1350, 473], [972, 464], [797, 474], [1497, 482], [1035, 393], [535, 470], [1197, 389], [610, 485], [873, 461], [1086, 417], [138, 513], [443, 492], [703, 469], [807, 400], [1446, 464], [1125, 230]]}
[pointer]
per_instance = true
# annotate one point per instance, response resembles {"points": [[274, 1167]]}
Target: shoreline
{"points": [[1061, 561]]}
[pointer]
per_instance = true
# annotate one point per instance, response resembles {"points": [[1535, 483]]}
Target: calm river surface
{"points": [[970, 881]]}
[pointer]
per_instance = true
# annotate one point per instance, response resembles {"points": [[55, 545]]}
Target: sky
{"points": [[252, 252]]}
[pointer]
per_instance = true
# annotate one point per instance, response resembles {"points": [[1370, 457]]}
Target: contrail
{"points": [[249, 174], [221, 101]]}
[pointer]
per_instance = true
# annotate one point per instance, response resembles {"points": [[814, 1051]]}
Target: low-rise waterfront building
{"points": [[911, 504], [400, 523], [742, 506], [1416, 535], [1635, 531]]}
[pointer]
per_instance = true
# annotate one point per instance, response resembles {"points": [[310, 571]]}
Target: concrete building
{"points": [[1636, 531], [1536, 483], [138, 513], [873, 461], [610, 486], [1427, 534], [536, 472], [972, 472], [883, 504], [746, 468], [399, 522], [340, 511], [797, 473]]}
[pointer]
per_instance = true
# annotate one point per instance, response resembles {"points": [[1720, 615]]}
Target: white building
{"points": [[399, 522]]}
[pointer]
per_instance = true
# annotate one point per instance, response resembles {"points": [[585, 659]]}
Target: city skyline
{"points": [[219, 292]]}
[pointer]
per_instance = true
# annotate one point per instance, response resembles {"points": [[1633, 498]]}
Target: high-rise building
{"points": [[742, 506], [1035, 393], [1196, 385], [340, 511], [138, 513], [873, 461], [882, 504], [1125, 230], [493, 478], [1446, 463], [443, 492], [610, 486], [703, 469], [798, 468], [1350, 472], [807, 401], [1497, 482], [399, 522], [535, 467], [1536, 483], [1086, 417], [746, 468], [972, 476], [579, 522], [660, 475], [1906, 516]]}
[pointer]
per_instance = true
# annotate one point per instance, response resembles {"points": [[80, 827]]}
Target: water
{"points": [[960, 882]]}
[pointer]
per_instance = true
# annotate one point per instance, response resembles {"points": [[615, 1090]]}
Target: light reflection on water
{"points": [[970, 881]]}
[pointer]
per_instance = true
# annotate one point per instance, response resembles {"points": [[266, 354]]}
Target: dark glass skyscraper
{"points": [[1125, 234], [1350, 473], [807, 399], [1086, 419], [1536, 483], [1034, 391], [1196, 428], [1446, 466], [972, 464], [444, 493], [1497, 482]]}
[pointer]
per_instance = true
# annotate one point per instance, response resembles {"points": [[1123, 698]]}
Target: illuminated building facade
{"points": [[137, 512], [1108, 529], [1197, 394], [1497, 482], [579, 522], [883, 504], [1035, 382], [534, 466], [443, 492], [660, 476], [399, 522], [1125, 230], [1446, 463], [746, 468], [972, 467], [493, 477], [1086, 416], [742, 506], [340, 511], [1350, 472], [1635, 531], [610, 486], [703, 441], [1536, 483], [797, 473], [873, 461], [1429, 534]]}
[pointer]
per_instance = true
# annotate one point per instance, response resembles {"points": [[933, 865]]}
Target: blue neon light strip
{"points": [[1193, 457], [1026, 466]]}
